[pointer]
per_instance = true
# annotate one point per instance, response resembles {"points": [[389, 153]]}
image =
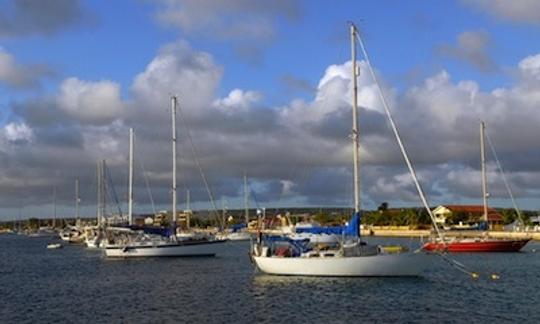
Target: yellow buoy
{"points": [[474, 275], [394, 248], [494, 276]]}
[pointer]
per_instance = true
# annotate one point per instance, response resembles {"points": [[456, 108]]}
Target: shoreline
{"points": [[426, 233]]}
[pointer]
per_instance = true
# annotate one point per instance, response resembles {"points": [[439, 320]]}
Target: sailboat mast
{"points": [[188, 200], [173, 117], [130, 186], [246, 200], [77, 200], [356, 164], [54, 202], [98, 206], [484, 176], [188, 209], [104, 191]]}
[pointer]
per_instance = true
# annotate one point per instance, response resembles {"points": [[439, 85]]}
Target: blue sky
{"points": [[118, 38], [276, 55]]}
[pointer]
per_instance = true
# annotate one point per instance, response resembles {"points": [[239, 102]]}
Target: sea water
{"points": [[78, 285]]}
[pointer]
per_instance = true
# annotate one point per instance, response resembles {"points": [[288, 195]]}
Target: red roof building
{"points": [[473, 212]]}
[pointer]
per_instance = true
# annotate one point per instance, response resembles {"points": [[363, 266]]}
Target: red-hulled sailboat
{"points": [[482, 243], [476, 244]]}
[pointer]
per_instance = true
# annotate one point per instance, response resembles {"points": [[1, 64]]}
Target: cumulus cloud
{"points": [[238, 101], [18, 132], [473, 48], [299, 153], [16, 75], [90, 102], [178, 70], [525, 11], [44, 17]]}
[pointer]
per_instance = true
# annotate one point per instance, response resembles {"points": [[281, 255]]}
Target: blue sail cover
{"points": [[156, 230], [352, 229], [237, 227]]}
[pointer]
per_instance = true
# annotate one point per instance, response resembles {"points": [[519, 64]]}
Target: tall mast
{"points": [[356, 164], [246, 200], [77, 199], [130, 186], [54, 203], [485, 193], [188, 209], [173, 118], [223, 212], [99, 187], [103, 202], [188, 200]]}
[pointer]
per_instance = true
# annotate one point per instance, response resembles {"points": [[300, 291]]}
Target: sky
{"points": [[264, 89]]}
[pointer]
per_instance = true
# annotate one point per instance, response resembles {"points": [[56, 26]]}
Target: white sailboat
{"points": [[125, 242], [240, 233], [284, 256]]}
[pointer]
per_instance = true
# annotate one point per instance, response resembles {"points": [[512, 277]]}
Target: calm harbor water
{"points": [[79, 285]]}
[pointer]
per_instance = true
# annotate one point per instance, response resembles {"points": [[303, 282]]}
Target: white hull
{"points": [[180, 249], [379, 265], [239, 236], [93, 243]]}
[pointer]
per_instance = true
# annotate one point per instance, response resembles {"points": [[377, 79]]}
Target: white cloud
{"points": [[18, 132], [530, 66], [287, 187], [237, 101], [91, 102], [304, 142], [178, 70]]}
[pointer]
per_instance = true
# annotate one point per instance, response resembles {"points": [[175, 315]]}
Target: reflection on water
{"points": [[78, 285]]}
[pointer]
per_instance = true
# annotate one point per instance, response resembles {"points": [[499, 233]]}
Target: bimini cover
{"points": [[301, 246], [351, 229]]}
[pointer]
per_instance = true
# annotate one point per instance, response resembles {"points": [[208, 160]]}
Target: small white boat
{"points": [[162, 248], [124, 243], [52, 246]]}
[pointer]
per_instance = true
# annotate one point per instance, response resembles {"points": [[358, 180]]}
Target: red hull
{"points": [[480, 245]]}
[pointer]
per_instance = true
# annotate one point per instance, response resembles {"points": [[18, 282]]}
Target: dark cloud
{"points": [[44, 17], [295, 84], [472, 47], [249, 26], [519, 11], [19, 76]]}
